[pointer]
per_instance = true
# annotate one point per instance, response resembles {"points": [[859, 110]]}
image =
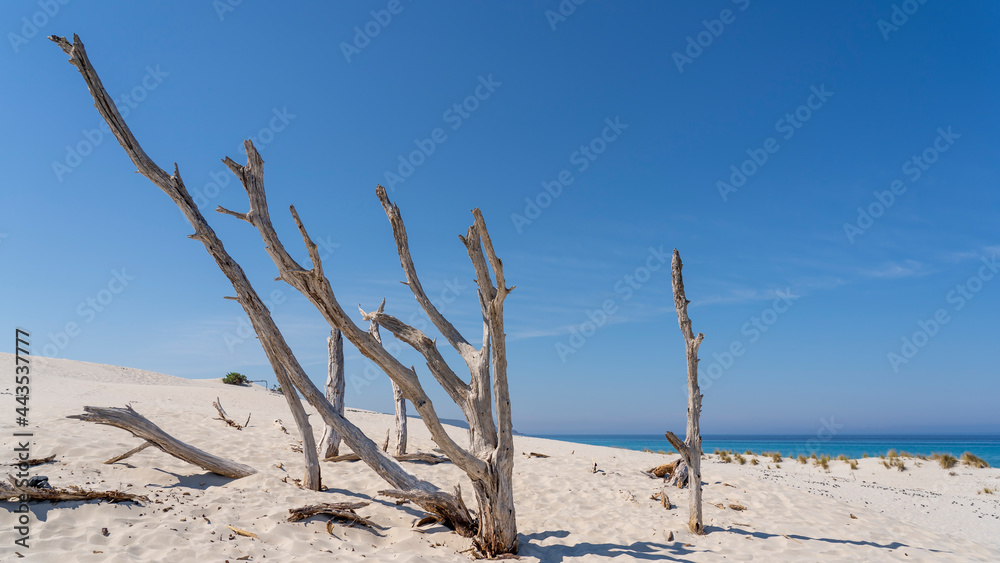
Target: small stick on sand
{"points": [[34, 462], [129, 453], [223, 417]]}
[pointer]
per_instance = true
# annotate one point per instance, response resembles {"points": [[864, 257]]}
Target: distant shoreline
{"points": [[986, 446]]}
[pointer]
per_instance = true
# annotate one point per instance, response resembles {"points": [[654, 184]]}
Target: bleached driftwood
{"points": [[690, 450], [14, 490], [664, 470], [418, 456], [329, 444], [127, 419], [489, 460], [225, 418], [129, 453], [338, 510]]}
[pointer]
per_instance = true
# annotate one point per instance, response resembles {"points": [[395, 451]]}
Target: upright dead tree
{"points": [[690, 449], [489, 461], [329, 445], [400, 402], [397, 393]]}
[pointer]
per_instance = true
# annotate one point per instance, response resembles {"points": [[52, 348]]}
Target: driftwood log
{"points": [[664, 470], [127, 419], [488, 461], [418, 456], [337, 510], [13, 490], [690, 449], [33, 462], [680, 477]]}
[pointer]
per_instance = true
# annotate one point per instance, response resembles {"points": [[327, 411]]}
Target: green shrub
{"points": [[233, 378]]}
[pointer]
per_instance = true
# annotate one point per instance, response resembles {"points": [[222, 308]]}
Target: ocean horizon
{"points": [[986, 446]]}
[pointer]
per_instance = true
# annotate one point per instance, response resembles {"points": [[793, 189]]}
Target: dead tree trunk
{"points": [[312, 479], [489, 461], [140, 426], [330, 443], [400, 402], [397, 393], [283, 361], [690, 450]]}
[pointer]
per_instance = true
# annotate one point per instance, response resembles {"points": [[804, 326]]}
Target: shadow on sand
{"points": [[640, 551]]}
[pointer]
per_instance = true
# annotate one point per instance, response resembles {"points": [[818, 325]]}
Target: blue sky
{"points": [[745, 134]]}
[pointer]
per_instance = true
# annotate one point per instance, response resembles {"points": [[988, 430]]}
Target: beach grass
{"points": [[970, 459]]}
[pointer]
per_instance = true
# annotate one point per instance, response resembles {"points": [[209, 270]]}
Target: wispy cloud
{"points": [[894, 270]]}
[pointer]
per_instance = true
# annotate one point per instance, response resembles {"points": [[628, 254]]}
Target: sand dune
{"points": [[565, 511]]}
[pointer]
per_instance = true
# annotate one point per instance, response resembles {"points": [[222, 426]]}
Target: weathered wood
{"points": [[397, 393], [489, 464], [690, 450], [34, 462], [301, 513], [312, 479], [418, 456], [679, 477], [287, 369], [466, 527], [330, 443], [127, 419], [224, 417], [129, 453], [400, 402], [55, 494], [665, 469]]}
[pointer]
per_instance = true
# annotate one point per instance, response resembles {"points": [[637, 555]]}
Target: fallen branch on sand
{"points": [[419, 456], [34, 462], [128, 454], [664, 470], [127, 419], [224, 418], [12, 490], [338, 511]]}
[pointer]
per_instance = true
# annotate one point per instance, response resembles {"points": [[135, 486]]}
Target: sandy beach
{"points": [[565, 510]]}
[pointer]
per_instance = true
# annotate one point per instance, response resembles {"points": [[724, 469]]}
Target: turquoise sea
{"points": [[984, 446]]}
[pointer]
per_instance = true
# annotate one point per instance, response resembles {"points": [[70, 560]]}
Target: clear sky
{"points": [[595, 140]]}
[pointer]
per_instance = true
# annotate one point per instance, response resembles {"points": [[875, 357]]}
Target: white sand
{"points": [[565, 512]]}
